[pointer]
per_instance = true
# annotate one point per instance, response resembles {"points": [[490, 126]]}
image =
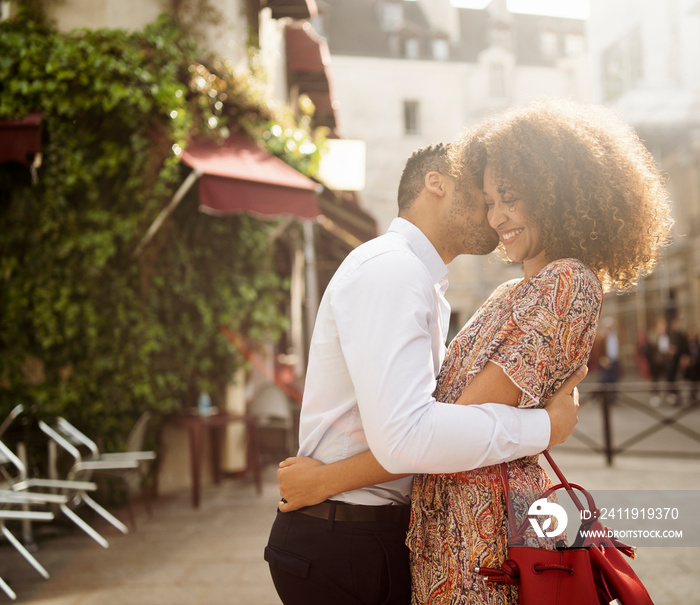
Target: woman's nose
{"points": [[496, 217]]}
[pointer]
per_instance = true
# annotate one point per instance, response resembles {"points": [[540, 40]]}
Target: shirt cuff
{"points": [[535, 432]]}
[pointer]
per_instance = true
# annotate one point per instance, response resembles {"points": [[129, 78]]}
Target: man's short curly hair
{"points": [[587, 181], [425, 160]]}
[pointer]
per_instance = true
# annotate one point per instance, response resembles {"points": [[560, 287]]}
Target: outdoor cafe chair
{"points": [[10, 499], [14, 413], [132, 478], [61, 492], [64, 493], [4, 480], [86, 460], [13, 494]]}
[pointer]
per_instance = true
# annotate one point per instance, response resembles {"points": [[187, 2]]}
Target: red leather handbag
{"points": [[592, 571]]}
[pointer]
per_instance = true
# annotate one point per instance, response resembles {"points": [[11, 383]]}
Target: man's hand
{"points": [[300, 483], [562, 408]]}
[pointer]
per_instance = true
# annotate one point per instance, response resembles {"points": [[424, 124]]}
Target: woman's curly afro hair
{"points": [[587, 180]]}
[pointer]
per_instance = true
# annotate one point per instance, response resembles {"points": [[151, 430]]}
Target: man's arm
{"points": [[492, 384], [305, 481], [385, 320]]}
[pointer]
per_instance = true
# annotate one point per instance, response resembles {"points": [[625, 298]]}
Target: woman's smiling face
{"points": [[506, 213]]}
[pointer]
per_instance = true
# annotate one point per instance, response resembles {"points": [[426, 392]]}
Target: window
{"points": [[501, 34], [411, 117], [411, 48], [574, 44], [5, 9], [441, 49], [391, 15], [497, 81], [549, 45], [622, 65]]}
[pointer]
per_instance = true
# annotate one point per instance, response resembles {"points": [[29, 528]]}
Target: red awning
{"points": [[20, 139], [240, 177]]}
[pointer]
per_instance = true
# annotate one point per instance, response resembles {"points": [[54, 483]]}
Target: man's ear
{"points": [[435, 183]]}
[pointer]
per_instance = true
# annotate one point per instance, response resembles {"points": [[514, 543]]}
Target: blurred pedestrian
{"points": [[658, 351], [691, 363], [677, 349], [608, 349], [641, 355], [608, 355]]}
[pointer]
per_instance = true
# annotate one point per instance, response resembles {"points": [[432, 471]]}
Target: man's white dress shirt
{"points": [[376, 349]]}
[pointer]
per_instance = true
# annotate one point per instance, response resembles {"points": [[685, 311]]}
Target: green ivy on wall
{"points": [[86, 331]]}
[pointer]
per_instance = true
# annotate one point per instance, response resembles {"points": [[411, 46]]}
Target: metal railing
{"points": [[632, 413]]}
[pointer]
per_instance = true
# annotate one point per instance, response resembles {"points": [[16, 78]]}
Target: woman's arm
{"points": [[490, 385], [305, 481]]}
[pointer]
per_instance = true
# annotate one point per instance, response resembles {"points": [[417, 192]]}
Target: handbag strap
{"points": [[563, 480], [517, 531], [509, 507]]}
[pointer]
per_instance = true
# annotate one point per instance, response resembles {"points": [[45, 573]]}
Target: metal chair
{"points": [[13, 493], [16, 411], [86, 460], [21, 515], [8, 500], [132, 478], [63, 491], [27, 535]]}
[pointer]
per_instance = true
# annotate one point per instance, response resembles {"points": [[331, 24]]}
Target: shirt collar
{"points": [[422, 247]]}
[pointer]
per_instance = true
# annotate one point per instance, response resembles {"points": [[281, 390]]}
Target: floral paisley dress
{"points": [[538, 331]]}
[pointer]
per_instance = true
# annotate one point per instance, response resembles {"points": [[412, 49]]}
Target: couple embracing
{"points": [[396, 497]]}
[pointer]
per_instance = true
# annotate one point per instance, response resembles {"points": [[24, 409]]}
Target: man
{"points": [[376, 350]]}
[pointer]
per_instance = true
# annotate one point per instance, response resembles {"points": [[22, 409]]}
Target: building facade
{"points": [[644, 64]]}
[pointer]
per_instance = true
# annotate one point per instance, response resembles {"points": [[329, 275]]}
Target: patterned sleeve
{"points": [[550, 331]]}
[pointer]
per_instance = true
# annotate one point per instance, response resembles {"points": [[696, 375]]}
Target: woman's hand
{"points": [[300, 483], [562, 408]]}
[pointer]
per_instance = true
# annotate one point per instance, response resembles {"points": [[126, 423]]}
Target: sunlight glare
{"points": [[574, 9]]}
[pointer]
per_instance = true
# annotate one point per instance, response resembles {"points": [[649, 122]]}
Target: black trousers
{"points": [[325, 562]]}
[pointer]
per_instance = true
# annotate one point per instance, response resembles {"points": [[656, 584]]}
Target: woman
{"points": [[576, 199]]}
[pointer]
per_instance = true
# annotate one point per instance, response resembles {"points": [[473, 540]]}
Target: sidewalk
{"points": [[179, 556], [213, 556]]}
